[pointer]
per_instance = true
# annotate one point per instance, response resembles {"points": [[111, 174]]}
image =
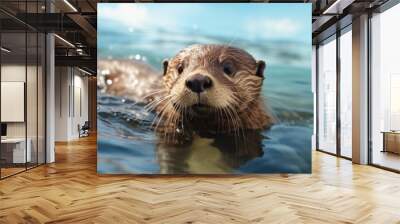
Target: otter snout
{"points": [[198, 83]]}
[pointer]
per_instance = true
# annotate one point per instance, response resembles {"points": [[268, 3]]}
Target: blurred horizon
{"points": [[283, 21], [280, 34]]}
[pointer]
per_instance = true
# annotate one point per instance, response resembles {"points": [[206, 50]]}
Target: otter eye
{"points": [[180, 69], [228, 68]]}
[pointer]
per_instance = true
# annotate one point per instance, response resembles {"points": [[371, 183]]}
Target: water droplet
{"points": [[137, 57], [105, 72]]}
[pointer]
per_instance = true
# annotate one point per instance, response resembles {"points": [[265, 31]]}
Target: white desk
{"points": [[18, 144]]}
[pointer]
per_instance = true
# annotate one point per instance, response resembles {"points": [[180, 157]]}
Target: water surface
{"points": [[126, 144]]}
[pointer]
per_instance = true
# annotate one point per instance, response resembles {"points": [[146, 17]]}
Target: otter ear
{"points": [[260, 68], [165, 66]]}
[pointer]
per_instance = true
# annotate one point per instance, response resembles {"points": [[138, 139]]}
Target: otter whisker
{"points": [[163, 97], [144, 99], [153, 93], [226, 124], [152, 107], [178, 114], [162, 113], [217, 113], [178, 119], [173, 121], [234, 121], [170, 125], [231, 122], [236, 118], [159, 115], [155, 103], [173, 116], [158, 103], [235, 126], [240, 125], [224, 116]]}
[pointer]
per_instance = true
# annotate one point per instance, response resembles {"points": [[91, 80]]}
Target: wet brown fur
{"points": [[241, 92]]}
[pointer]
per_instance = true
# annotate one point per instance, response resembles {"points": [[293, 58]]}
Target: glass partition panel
{"points": [[31, 98], [14, 153], [32, 84], [346, 94], [22, 95], [41, 98], [385, 85], [327, 96]]}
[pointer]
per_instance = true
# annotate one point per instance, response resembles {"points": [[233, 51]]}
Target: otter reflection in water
{"points": [[209, 95], [218, 153]]}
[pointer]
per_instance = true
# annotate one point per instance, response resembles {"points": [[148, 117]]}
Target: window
{"points": [[346, 93], [385, 89], [327, 96]]}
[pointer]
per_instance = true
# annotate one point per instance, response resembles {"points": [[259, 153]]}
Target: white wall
{"points": [[33, 126], [80, 108], [71, 94], [387, 66], [62, 82], [16, 73]]}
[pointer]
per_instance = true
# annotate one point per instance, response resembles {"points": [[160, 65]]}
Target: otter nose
{"points": [[198, 83]]}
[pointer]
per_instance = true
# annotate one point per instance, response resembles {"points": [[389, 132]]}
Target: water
{"points": [[126, 144]]}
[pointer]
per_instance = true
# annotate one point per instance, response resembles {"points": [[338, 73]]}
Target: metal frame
{"points": [[317, 94], [316, 97], [369, 97], [339, 32], [338, 98]]}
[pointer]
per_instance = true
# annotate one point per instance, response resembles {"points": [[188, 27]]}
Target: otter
{"points": [[207, 97], [131, 79], [211, 89], [206, 89]]}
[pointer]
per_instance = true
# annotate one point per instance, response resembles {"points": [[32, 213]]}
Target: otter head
{"points": [[210, 80]]}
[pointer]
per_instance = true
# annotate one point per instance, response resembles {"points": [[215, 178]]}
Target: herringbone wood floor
{"points": [[70, 191]]}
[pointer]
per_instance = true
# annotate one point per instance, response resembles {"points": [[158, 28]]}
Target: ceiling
{"points": [[75, 21]]}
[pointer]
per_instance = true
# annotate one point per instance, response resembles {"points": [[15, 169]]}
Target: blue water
{"points": [[126, 144]]}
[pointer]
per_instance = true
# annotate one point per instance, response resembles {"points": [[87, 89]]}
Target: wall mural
{"points": [[204, 88]]}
